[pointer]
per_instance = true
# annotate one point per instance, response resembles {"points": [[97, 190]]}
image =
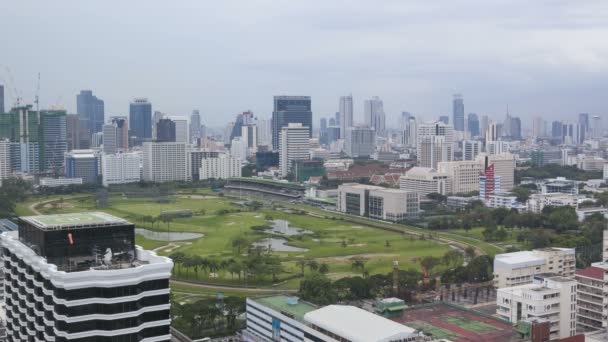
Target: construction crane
{"points": [[16, 95], [37, 97]]}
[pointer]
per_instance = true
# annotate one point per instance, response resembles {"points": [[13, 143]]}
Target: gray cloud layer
{"points": [[544, 58]]}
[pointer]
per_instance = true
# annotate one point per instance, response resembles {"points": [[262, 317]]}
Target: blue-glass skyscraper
{"points": [[140, 120], [458, 113], [473, 124], [90, 110], [290, 109]]}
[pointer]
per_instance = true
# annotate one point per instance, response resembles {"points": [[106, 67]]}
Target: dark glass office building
{"points": [[91, 111], [290, 109], [458, 113], [140, 120]]}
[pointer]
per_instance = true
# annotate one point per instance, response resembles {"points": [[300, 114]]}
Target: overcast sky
{"points": [[546, 58]]}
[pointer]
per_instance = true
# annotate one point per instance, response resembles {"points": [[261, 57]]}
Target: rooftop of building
{"points": [[518, 257], [59, 221], [591, 272], [287, 305], [357, 325]]}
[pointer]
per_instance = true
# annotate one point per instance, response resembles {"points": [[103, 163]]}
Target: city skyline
{"points": [[495, 60]]}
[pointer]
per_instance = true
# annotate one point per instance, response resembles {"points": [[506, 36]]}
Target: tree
{"points": [[358, 263], [452, 258], [470, 252], [437, 197], [522, 193], [317, 288], [239, 242], [323, 268], [302, 264], [430, 262], [312, 264]]}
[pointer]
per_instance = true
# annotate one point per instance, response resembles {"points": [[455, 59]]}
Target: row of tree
{"points": [[208, 317]]}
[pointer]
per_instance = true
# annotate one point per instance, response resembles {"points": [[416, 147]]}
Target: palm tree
{"points": [[301, 264], [312, 264]]}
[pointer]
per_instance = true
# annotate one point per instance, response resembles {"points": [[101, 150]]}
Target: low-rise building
{"points": [[424, 181], [537, 202], [82, 164], [550, 298], [463, 174], [504, 200], [459, 202], [62, 181], [592, 307], [560, 185], [583, 213], [519, 268], [377, 202]]}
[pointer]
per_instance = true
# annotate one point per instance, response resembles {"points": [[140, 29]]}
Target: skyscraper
{"points": [[359, 142], [596, 127], [115, 135], [181, 129], [1, 99], [373, 110], [91, 111], [323, 124], [140, 120], [515, 128], [195, 126], [483, 126], [73, 131], [458, 112], [537, 127], [165, 130], [290, 109], [583, 121], [435, 144], [54, 145], [293, 145], [410, 133], [165, 162], [445, 119], [155, 119], [405, 116], [473, 124], [556, 130], [346, 113]]}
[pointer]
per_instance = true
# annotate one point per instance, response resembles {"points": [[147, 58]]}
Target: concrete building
{"points": [[410, 133], [121, 168], [424, 181], [290, 109], [373, 113], [537, 202], [116, 135], [165, 130], [590, 163], [504, 200], [458, 112], [221, 167], [549, 298], [605, 171], [471, 149], [435, 144], [293, 145], [56, 182], [73, 131], [283, 318], [140, 120], [504, 167], [238, 148], [82, 164], [195, 126], [181, 130], [559, 185], [102, 286], [592, 311], [519, 268], [463, 175], [360, 142], [5, 159], [195, 156], [249, 135], [165, 162], [377, 202], [346, 114]]}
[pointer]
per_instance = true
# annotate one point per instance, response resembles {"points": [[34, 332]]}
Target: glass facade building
{"points": [[290, 109]]}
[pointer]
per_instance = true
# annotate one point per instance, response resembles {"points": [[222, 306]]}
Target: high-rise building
{"points": [[491, 132], [73, 131], [181, 130], [332, 121], [405, 118], [1, 99], [463, 175], [22, 127], [489, 183], [91, 111], [556, 130], [425, 181], [121, 168], [346, 114], [155, 119], [373, 111], [290, 109], [249, 134], [100, 285], [195, 126], [583, 122], [597, 130], [572, 133], [140, 120], [360, 142], [470, 149], [238, 148], [473, 124], [435, 144], [504, 167], [483, 126], [82, 164], [458, 112], [337, 118], [5, 159], [410, 133], [515, 128], [293, 145], [264, 134], [165, 162], [592, 283], [165, 130], [54, 145], [116, 135], [220, 167], [445, 119], [323, 124]]}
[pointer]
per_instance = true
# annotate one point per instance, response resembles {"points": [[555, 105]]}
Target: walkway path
{"points": [[228, 288]]}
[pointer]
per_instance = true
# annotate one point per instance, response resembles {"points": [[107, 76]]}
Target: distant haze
{"points": [[546, 58]]}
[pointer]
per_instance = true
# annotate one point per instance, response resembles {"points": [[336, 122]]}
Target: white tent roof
{"points": [[357, 325]]}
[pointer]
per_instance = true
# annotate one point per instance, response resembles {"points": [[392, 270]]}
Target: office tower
{"points": [[165, 130], [470, 149], [109, 138], [116, 135], [583, 122], [80, 277], [504, 167], [155, 119], [140, 120], [227, 136], [360, 142], [425, 181], [473, 124], [5, 159], [220, 167], [97, 140], [405, 117], [238, 148], [410, 133], [515, 128], [537, 127], [165, 162], [195, 126], [293, 145], [596, 126], [373, 111], [346, 113], [332, 121], [337, 118], [291, 109], [1, 99], [91, 111], [181, 130], [333, 134], [556, 131], [491, 132], [323, 124], [73, 131], [572, 133], [121, 168], [435, 144], [54, 145], [483, 126], [245, 118], [82, 164], [22, 127], [264, 134], [458, 112], [249, 134], [463, 175], [445, 119]]}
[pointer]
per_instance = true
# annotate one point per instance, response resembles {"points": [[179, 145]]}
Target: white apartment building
{"points": [[549, 298], [5, 159], [605, 171], [504, 167], [592, 304], [463, 175], [221, 167], [504, 200], [238, 148], [537, 202], [590, 163], [519, 268], [377, 202], [470, 149], [424, 181], [435, 144], [165, 162], [121, 168], [293, 145]]}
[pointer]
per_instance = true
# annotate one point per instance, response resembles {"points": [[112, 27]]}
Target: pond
{"points": [[278, 245], [281, 227], [165, 236]]}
